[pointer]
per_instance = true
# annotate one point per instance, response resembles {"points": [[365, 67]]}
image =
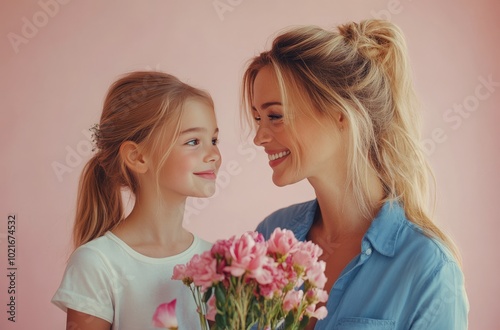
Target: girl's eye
{"points": [[215, 141], [193, 142], [257, 120]]}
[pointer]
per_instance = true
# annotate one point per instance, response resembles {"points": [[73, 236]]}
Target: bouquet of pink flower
{"points": [[247, 281]]}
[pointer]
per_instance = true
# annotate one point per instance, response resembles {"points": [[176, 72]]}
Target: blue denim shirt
{"points": [[402, 279]]}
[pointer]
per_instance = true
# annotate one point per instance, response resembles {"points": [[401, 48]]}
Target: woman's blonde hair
{"points": [[144, 107], [361, 71]]}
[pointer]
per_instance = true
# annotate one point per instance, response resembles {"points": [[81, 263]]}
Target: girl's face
{"points": [[321, 148], [192, 165]]}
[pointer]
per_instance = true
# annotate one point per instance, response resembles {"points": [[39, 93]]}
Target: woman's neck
{"points": [[339, 213]]}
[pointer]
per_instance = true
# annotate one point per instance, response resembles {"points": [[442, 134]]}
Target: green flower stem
{"points": [[201, 307], [240, 307]]}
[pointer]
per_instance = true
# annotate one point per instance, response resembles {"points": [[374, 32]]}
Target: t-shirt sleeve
{"points": [[86, 285], [444, 303]]}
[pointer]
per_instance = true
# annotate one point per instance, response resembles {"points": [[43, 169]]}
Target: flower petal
{"points": [[164, 316]]}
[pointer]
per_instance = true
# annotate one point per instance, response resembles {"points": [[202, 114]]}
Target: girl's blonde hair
{"points": [[362, 72], [142, 107]]}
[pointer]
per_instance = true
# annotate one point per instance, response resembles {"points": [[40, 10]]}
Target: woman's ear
{"points": [[133, 157], [341, 121], [341, 118]]}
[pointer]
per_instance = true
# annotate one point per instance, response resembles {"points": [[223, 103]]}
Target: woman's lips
{"points": [[277, 157]]}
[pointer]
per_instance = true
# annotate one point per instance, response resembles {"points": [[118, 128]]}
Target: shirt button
{"points": [[368, 251]]}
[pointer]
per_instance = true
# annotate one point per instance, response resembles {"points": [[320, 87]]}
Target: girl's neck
{"points": [[154, 228]]}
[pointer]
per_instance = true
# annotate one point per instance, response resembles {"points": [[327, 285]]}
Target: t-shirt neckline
{"points": [[142, 257]]}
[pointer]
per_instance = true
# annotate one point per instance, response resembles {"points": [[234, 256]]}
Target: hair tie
{"points": [[95, 136]]}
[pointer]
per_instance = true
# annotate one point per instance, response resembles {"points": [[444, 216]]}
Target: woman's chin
{"points": [[283, 180]]}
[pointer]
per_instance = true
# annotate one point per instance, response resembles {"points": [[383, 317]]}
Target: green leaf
{"points": [[289, 319], [207, 295], [220, 321], [304, 322], [220, 296]]}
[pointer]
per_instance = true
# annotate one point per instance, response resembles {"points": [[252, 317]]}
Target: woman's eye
{"points": [[193, 142], [257, 120], [215, 141], [275, 117]]}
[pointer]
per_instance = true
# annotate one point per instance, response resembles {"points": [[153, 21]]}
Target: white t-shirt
{"points": [[108, 279]]}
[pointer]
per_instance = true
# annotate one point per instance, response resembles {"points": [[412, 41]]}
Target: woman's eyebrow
{"points": [[266, 105]]}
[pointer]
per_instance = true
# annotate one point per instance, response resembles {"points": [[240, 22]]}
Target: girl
{"points": [[338, 109], [157, 137]]}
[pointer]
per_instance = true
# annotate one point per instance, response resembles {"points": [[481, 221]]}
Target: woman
{"points": [[338, 109]]}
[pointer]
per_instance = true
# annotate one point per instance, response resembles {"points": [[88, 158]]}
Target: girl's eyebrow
{"points": [[197, 129]]}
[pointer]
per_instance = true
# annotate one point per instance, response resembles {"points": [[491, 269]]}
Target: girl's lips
{"points": [[209, 175]]}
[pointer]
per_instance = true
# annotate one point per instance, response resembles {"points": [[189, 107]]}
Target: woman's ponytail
{"points": [[396, 151]]}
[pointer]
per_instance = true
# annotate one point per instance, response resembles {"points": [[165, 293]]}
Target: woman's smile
{"points": [[277, 157]]}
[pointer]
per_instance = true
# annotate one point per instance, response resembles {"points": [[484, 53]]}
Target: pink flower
{"points": [[164, 316], [281, 277], [306, 254], [211, 308], [292, 300], [221, 248], [316, 274], [203, 270], [281, 241], [257, 237], [266, 273], [321, 295], [180, 272], [319, 313], [246, 256], [249, 271]]}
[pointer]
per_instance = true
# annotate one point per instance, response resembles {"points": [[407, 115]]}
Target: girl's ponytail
{"points": [[99, 204]]}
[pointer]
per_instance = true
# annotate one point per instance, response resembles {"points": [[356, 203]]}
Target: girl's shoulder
{"points": [[94, 252]]}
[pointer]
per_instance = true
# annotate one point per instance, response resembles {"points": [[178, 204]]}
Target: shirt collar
{"points": [[382, 234], [385, 228], [302, 221]]}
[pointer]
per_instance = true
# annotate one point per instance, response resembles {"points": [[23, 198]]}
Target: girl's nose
{"points": [[213, 154]]}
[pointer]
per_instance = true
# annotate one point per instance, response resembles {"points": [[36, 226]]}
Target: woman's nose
{"points": [[262, 136]]}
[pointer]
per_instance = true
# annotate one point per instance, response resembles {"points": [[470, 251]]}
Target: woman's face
{"points": [[321, 147]]}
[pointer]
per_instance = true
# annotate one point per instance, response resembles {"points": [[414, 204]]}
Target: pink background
{"points": [[54, 79]]}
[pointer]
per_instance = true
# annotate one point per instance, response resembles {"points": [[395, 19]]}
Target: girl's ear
{"points": [[133, 157]]}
